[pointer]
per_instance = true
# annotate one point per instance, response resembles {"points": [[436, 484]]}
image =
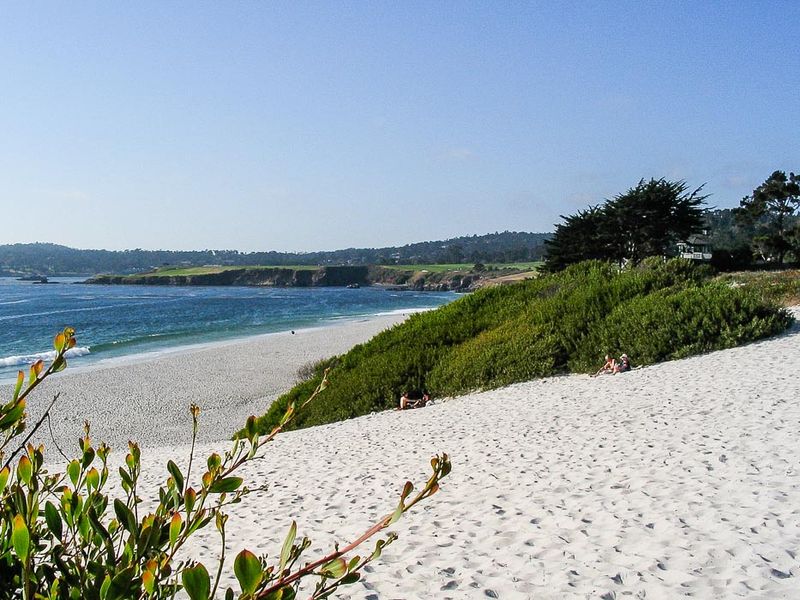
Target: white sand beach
{"points": [[677, 480], [146, 397]]}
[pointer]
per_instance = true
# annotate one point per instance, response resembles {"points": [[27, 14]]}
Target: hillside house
{"points": [[696, 247]]}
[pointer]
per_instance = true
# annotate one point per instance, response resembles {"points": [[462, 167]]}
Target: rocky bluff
{"points": [[323, 276]]}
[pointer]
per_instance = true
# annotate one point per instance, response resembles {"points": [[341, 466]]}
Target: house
{"points": [[696, 247]]}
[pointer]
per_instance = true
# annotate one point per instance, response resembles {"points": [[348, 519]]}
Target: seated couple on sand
{"points": [[613, 367], [407, 402]]}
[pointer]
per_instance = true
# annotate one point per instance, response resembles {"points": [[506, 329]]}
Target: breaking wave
{"points": [[29, 359]]}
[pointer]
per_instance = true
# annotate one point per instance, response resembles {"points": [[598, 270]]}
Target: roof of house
{"points": [[697, 240]]}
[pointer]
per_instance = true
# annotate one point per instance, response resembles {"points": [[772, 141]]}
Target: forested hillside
{"points": [[52, 259]]}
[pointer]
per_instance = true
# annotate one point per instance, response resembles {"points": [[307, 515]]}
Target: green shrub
{"points": [[774, 286], [516, 351], [62, 537], [554, 324], [671, 324]]}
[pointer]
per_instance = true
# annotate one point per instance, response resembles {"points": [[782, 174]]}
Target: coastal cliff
{"points": [[321, 277], [272, 277], [459, 280]]}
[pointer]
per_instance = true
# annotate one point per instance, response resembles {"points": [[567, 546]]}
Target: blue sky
{"points": [[321, 125]]}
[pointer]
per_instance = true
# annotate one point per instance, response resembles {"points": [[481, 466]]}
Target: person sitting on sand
{"points": [[608, 367], [623, 365], [407, 402]]}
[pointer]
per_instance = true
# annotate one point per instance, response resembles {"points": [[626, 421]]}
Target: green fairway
{"points": [[443, 268]]}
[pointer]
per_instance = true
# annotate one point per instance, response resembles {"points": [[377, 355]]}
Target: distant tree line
{"points": [[650, 218], [52, 259]]}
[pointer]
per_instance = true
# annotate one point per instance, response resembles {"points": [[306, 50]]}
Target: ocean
{"points": [[116, 320]]}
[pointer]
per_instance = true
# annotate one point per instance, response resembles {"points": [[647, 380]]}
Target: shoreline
{"points": [[145, 397], [181, 348]]}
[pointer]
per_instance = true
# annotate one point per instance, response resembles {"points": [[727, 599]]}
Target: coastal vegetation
{"points": [[557, 323], [68, 535], [652, 217], [770, 211], [782, 287], [647, 220]]}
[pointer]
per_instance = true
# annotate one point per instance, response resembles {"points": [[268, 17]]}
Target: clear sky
{"points": [[322, 125]]}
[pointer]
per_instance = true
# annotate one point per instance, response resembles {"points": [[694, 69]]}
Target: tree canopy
{"points": [[646, 220], [770, 209]]}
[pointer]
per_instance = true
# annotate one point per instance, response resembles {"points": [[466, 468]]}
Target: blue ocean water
{"points": [[117, 320]]}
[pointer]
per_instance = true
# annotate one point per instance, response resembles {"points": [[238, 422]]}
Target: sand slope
{"points": [[681, 479]]}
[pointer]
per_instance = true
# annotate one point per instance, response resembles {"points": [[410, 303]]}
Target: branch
{"points": [[46, 415], [441, 467]]}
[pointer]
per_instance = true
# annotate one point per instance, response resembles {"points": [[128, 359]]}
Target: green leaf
{"points": [[350, 578], [213, 462], [228, 484], [20, 538], [88, 456], [176, 474], [378, 549], [148, 581], [13, 415], [53, 519], [121, 585], [287, 546], [93, 478], [18, 386], [36, 369], [287, 415], [250, 427], [125, 516], [189, 499], [100, 530], [174, 528], [104, 587], [247, 569], [74, 471], [196, 582], [398, 512], [25, 470], [59, 364], [336, 568], [4, 473]]}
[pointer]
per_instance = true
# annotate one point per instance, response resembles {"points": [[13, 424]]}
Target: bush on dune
{"points": [[672, 324], [559, 323]]}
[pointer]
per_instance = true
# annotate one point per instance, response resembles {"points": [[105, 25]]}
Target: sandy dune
{"points": [[681, 479]]}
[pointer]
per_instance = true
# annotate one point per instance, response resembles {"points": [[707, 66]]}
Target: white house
{"points": [[696, 247]]}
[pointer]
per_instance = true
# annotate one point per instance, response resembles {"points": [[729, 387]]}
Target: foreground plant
{"points": [[63, 537]]}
